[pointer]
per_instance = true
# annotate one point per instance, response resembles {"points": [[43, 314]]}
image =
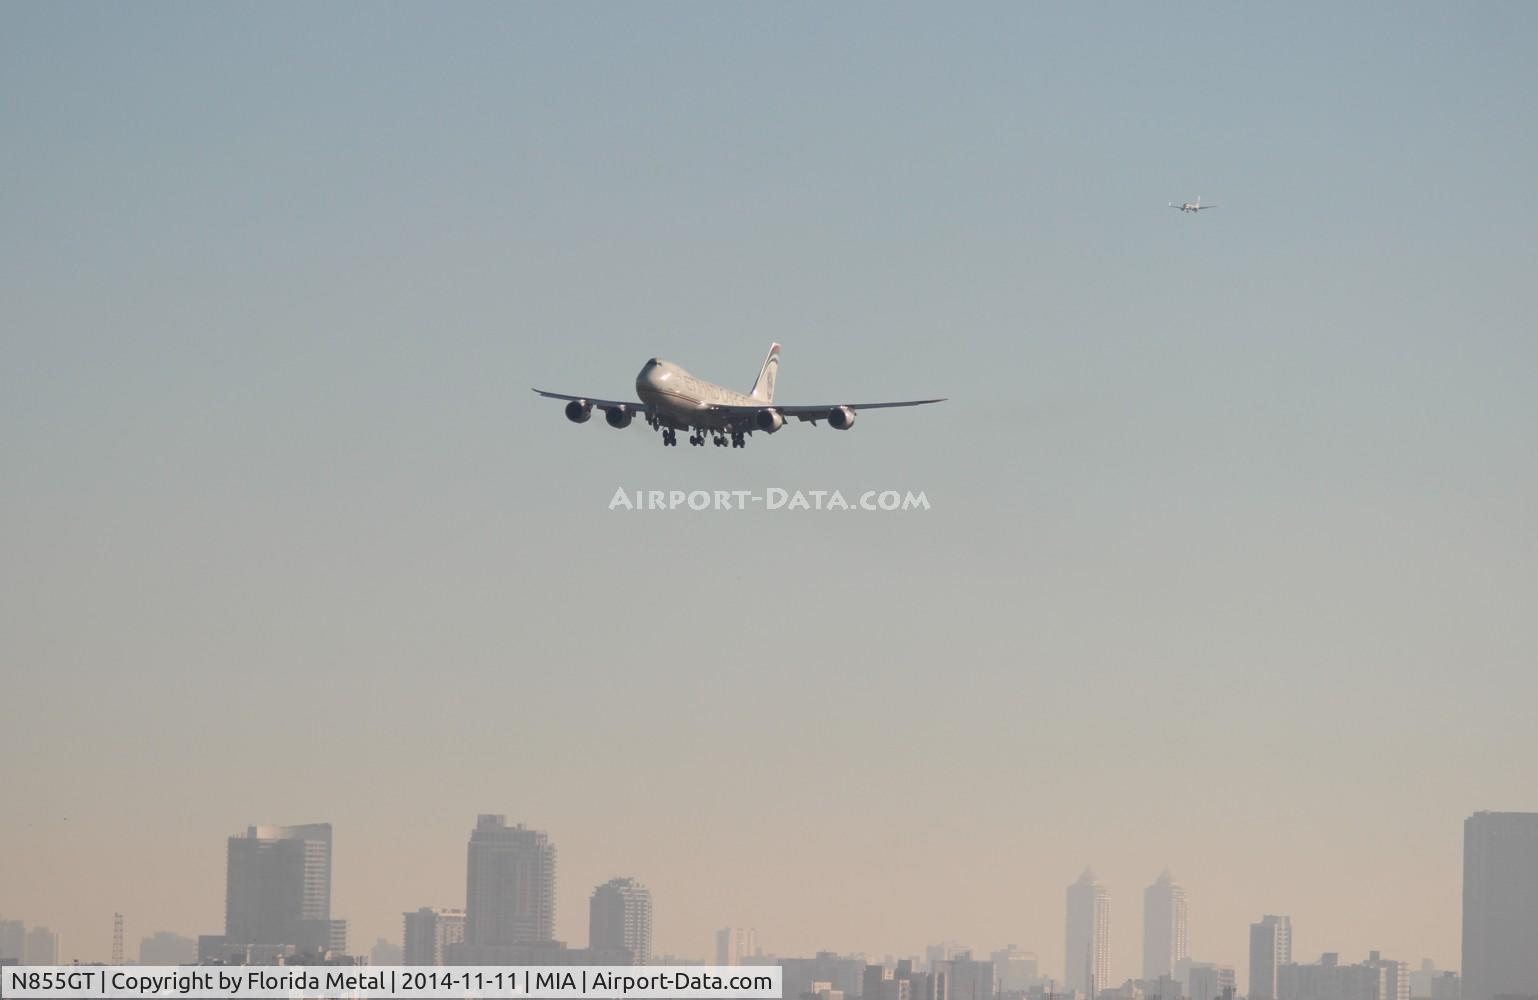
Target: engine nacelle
{"points": [[841, 418], [769, 421], [617, 417], [578, 411]]}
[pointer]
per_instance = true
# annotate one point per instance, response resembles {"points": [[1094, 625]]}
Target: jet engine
{"points": [[617, 417], [841, 418], [578, 411], [769, 421]]}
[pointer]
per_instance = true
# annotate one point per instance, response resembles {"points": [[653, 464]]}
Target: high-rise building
{"points": [[510, 885], [1500, 906], [882, 984], [1015, 971], [1208, 981], [1430, 983], [962, 978], [1087, 957], [1396, 976], [735, 945], [620, 916], [277, 892], [1270, 949], [428, 933], [42, 947], [13, 940], [1164, 926]]}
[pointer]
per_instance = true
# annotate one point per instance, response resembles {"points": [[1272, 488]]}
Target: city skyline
{"points": [[524, 858], [522, 861]]}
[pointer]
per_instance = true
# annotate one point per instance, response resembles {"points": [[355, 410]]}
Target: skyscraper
{"points": [[13, 940], [1087, 958], [277, 890], [734, 944], [620, 916], [510, 885], [1164, 926], [1270, 949], [42, 947], [1500, 905], [427, 933]]}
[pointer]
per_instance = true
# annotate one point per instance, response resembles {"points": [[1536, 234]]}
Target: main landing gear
{"points": [[737, 439]]}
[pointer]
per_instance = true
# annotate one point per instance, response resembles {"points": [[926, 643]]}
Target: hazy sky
{"points": [[1232, 562]]}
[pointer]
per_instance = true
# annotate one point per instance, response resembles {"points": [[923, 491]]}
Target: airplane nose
{"points": [[648, 376]]}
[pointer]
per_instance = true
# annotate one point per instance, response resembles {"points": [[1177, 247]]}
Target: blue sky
{"points": [[1230, 565]]}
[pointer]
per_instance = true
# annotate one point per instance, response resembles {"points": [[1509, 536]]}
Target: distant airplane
{"points": [[1192, 206], [673, 400]]}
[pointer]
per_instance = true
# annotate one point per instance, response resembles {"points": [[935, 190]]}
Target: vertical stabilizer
{"points": [[763, 389]]}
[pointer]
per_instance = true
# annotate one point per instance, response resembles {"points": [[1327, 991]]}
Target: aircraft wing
{"points": [[635, 406], [815, 413]]}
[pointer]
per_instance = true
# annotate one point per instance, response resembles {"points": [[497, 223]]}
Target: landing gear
{"points": [[737, 439]]}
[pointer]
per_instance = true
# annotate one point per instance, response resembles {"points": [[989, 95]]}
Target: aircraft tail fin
{"points": [[763, 389]]}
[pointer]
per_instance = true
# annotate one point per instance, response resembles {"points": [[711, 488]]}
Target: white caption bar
{"points": [[399, 982]]}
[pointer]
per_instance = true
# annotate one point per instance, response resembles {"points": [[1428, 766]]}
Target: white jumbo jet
{"points": [[1192, 206], [673, 400]]}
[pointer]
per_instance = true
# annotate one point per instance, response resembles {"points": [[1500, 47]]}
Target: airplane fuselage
{"points": [[683, 401]]}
